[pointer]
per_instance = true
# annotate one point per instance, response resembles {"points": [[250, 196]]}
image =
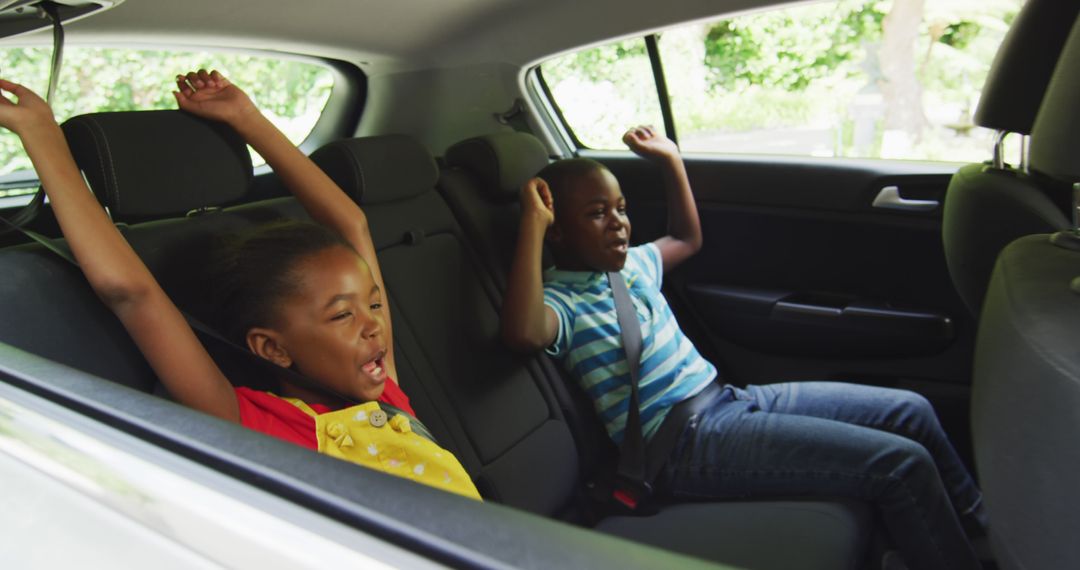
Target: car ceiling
{"points": [[384, 36]]}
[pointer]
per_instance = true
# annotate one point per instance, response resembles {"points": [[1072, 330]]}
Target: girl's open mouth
{"points": [[376, 367]]}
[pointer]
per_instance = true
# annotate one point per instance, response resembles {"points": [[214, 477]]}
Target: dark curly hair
{"points": [[250, 273]]}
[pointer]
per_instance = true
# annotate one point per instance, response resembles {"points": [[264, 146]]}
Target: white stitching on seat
{"points": [[93, 140], [359, 172], [108, 154]]}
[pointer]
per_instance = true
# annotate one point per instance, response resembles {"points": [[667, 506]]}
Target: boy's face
{"points": [[591, 230]]}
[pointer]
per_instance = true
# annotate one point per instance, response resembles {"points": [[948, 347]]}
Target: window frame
{"points": [[652, 46], [656, 64], [565, 129]]}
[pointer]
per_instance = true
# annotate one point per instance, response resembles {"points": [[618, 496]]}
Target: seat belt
{"points": [[631, 486], [228, 351], [640, 462]]}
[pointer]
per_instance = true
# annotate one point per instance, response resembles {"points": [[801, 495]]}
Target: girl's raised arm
{"points": [[211, 95], [113, 269]]}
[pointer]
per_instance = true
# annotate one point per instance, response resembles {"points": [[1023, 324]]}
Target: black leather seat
{"points": [[988, 205], [1026, 392]]}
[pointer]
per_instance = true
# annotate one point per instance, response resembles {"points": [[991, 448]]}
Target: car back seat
{"points": [[445, 309], [482, 191], [491, 412], [495, 410], [481, 184], [482, 188], [490, 407], [496, 419], [49, 309], [481, 402]]}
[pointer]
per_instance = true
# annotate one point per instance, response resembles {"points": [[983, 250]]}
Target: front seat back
{"points": [[989, 205], [1026, 389]]}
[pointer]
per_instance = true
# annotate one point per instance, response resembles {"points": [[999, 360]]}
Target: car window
{"points": [[850, 78], [291, 93], [601, 91]]}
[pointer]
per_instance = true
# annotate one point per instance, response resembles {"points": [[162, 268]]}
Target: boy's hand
{"points": [[211, 96], [646, 142], [536, 201], [27, 113]]}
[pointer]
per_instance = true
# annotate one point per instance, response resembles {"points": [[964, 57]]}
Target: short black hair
{"points": [[561, 174], [250, 273]]}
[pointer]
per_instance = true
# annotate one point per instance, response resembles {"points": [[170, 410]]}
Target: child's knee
{"points": [[916, 406], [914, 399], [911, 460]]}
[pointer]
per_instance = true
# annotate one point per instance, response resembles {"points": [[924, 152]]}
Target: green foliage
{"points": [[596, 64], [959, 35], [790, 48], [801, 79], [290, 93], [611, 86], [754, 108]]}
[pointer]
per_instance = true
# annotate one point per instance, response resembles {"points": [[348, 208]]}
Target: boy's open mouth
{"points": [[620, 245], [376, 367]]}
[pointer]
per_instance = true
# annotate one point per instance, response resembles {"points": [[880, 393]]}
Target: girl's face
{"points": [[333, 328]]}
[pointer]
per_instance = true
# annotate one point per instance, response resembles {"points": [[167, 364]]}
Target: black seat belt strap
{"points": [[226, 349]]}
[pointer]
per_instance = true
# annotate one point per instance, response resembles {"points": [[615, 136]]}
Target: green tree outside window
{"points": [[291, 93]]}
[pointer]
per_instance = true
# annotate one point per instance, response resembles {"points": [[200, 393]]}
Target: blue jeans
{"points": [[827, 439]]}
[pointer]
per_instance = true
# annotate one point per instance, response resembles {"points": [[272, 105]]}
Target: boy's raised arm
{"points": [[684, 237], [526, 323], [113, 269], [211, 95]]}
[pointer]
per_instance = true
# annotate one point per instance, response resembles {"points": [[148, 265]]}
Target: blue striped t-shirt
{"points": [[590, 346]]}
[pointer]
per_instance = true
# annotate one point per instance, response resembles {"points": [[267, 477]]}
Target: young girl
{"points": [[319, 310]]}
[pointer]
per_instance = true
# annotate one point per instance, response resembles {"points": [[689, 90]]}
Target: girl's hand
{"points": [[211, 96], [27, 113], [646, 142], [536, 201]]}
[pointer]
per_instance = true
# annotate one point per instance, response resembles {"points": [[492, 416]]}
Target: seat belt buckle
{"points": [[630, 493]]}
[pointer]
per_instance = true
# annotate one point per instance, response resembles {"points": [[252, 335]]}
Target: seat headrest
{"points": [[378, 169], [501, 162], [1055, 138], [156, 164], [1023, 65]]}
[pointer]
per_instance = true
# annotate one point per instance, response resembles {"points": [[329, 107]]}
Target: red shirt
{"points": [[266, 413]]}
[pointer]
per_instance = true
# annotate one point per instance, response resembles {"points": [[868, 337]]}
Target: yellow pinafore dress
{"points": [[363, 434]]}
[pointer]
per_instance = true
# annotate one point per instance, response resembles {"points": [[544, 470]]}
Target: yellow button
{"points": [[400, 423], [339, 434], [377, 418]]}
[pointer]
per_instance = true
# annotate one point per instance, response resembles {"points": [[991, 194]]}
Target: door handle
{"points": [[889, 198]]}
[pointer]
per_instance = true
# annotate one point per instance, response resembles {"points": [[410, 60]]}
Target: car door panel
{"points": [[802, 277], [813, 324]]}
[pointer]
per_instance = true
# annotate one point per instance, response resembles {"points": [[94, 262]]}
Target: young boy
{"points": [[793, 439]]}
